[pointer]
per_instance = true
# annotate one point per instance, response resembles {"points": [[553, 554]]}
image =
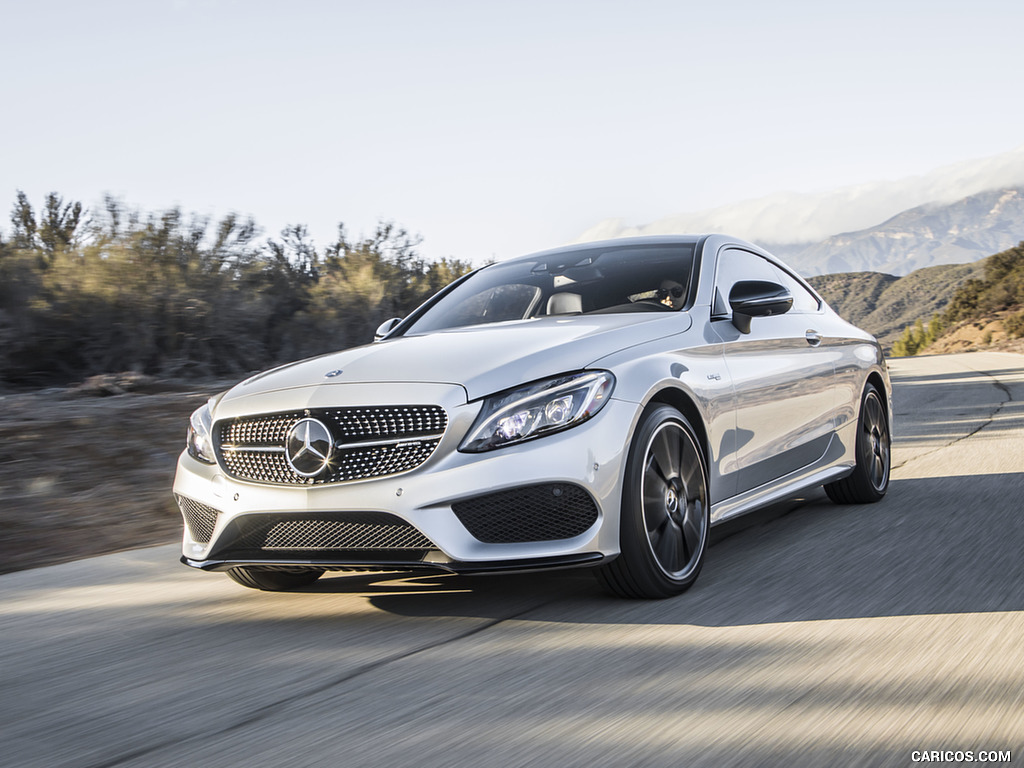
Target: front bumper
{"points": [[589, 457]]}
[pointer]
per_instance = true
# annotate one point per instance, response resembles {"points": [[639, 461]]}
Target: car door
{"points": [[783, 375]]}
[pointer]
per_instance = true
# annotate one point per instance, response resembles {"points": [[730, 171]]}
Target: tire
{"points": [[273, 581], [870, 477], [665, 517]]}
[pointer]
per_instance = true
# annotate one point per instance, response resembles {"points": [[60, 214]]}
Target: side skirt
{"points": [[837, 466]]}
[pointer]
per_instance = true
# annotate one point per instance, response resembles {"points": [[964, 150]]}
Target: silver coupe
{"points": [[598, 405]]}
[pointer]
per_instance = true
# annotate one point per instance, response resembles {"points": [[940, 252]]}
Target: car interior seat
{"points": [[565, 303]]}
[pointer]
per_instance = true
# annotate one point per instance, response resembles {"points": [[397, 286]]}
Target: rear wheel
{"points": [[663, 526], [274, 581], [870, 477]]}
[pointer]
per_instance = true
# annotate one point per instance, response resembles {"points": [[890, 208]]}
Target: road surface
{"points": [[817, 635]]}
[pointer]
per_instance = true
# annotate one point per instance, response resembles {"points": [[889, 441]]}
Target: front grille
{"points": [[532, 513], [200, 519], [360, 531], [368, 443]]}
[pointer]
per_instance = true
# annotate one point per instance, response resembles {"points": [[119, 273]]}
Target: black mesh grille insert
{"points": [[532, 513], [364, 531], [200, 519], [368, 442]]}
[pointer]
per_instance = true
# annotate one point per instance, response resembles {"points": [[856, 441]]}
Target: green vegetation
{"points": [[169, 294], [918, 336], [1000, 289], [1014, 325]]}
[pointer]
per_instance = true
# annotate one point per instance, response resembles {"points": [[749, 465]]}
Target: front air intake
{"points": [[200, 519], [326, 535], [532, 513]]}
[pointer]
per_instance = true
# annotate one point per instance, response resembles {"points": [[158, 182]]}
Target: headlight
{"points": [[200, 436], [538, 409]]}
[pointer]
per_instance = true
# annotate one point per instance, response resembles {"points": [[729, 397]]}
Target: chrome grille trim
{"points": [[253, 448], [262, 430], [370, 442], [376, 443], [418, 420]]}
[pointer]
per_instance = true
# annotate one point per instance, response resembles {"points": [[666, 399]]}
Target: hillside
{"points": [[984, 309], [854, 295], [884, 304]]}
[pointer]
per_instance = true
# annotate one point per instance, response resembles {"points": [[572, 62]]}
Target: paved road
{"points": [[817, 635]]}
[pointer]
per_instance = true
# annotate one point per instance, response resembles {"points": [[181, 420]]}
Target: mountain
{"points": [[885, 304], [964, 231], [952, 214]]}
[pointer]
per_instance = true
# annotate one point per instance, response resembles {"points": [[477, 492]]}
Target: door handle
{"points": [[813, 338]]}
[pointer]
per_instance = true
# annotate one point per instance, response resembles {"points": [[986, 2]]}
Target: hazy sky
{"points": [[494, 128]]}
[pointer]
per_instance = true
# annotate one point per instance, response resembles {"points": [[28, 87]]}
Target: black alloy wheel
{"points": [[665, 519], [870, 477]]}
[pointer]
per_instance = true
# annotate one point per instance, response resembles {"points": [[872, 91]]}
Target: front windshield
{"points": [[647, 278]]}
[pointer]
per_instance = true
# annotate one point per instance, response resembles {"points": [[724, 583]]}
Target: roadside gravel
{"points": [[86, 473]]}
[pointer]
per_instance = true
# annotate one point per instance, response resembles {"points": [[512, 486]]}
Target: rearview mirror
{"points": [[385, 328], [757, 298]]}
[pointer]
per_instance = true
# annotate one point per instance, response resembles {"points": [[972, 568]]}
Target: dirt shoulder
{"points": [[983, 334], [86, 471]]}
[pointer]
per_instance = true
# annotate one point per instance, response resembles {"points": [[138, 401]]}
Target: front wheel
{"points": [[664, 521], [870, 477], [274, 581]]}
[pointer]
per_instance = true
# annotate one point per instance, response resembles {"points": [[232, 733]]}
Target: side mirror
{"points": [[757, 298], [385, 328]]}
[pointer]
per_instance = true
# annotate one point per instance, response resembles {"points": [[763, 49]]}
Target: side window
{"points": [[735, 265], [803, 300]]}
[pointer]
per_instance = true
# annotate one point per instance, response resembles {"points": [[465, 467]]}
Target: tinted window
{"points": [[648, 278]]}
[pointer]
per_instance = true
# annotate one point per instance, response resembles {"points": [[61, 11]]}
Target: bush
{"points": [[162, 293], [1002, 288], [1014, 325]]}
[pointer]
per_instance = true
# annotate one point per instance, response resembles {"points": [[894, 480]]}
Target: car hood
{"points": [[481, 359]]}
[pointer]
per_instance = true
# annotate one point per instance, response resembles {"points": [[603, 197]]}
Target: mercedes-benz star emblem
{"points": [[308, 447]]}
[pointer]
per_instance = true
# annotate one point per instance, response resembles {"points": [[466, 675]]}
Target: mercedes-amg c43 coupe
{"points": [[599, 405]]}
